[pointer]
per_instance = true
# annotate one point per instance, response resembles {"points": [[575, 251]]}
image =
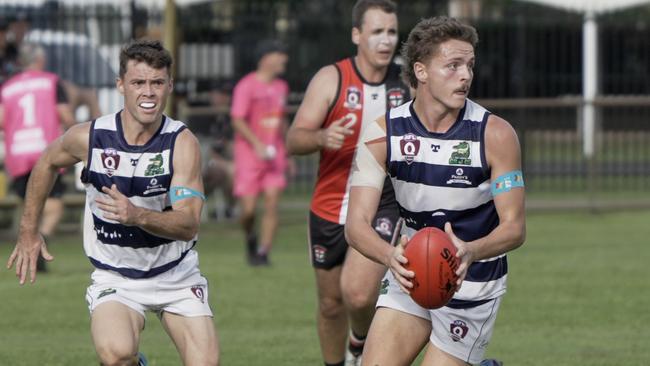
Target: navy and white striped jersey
{"points": [[444, 177], [142, 173]]}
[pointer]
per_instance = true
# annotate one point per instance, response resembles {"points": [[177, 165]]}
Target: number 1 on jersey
{"points": [[28, 104]]}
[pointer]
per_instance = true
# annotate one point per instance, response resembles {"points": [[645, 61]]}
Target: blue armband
{"points": [[180, 193], [508, 181]]}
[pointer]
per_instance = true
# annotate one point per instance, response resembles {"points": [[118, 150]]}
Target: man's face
{"points": [[448, 76], [145, 91], [275, 62], [377, 38]]}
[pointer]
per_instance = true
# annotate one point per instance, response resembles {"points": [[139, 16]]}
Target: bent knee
{"points": [[330, 307], [113, 357], [356, 298]]}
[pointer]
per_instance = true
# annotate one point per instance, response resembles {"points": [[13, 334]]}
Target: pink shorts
{"points": [[253, 176]]}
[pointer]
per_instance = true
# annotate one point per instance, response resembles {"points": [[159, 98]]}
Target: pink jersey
{"points": [[31, 120], [262, 106]]}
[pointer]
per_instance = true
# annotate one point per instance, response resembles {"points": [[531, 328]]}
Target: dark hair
{"points": [[148, 51], [424, 39], [362, 6], [267, 46]]}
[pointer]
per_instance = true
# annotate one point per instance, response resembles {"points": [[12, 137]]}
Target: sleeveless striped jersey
{"points": [[444, 177], [142, 173], [363, 102]]}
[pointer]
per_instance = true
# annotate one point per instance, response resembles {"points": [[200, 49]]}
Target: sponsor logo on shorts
{"points": [[198, 292], [320, 253], [458, 330], [106, 292], [384, 226], [409, 146], [383, 287]]}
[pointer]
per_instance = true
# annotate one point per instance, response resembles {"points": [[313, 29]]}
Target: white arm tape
{"points": [[366, 171]]}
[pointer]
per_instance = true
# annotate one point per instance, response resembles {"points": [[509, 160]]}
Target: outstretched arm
{"points": [[369, 172], [306, 134], [182, 221], [67, 150], [504, 157]]}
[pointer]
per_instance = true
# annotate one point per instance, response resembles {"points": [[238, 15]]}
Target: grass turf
{"points": [[578, 295]]}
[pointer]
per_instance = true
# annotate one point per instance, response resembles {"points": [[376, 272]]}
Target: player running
{"points": [[340, 101], [143, 204], [456, 166]]}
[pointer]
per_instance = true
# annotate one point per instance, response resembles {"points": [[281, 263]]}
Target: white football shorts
{"points": [[182, 290], [462, 333]]}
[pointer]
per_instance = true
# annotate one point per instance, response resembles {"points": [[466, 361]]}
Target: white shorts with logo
{"points": [[462, 333], [181, 290]]}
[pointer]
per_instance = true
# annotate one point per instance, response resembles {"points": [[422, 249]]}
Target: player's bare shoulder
{"points": [[75, 140], [500, 138], [187, 151], [325, 83]]}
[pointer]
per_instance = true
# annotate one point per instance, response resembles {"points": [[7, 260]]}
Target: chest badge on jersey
{"points": [[353, 98], [395, 97], [460, 155], [410, 147], [155, 166], [110, 161]]}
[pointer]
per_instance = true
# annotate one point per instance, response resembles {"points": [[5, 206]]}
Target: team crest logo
{"points": [[353, 98], [384, 226], [409, 146], [155, 166], [110, 161], [460, 155], [395, 97], [458, 330], [198, 292], [319, 253]]}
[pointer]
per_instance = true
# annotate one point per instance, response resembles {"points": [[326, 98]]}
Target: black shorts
{"points": [[19, 186], [327, 239]]}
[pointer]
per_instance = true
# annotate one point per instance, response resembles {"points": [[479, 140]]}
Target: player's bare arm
{"points": [[65, 115], [503, 155], [241, 127], [306, 134], [180, 223], [365, 193], [67, 150]]}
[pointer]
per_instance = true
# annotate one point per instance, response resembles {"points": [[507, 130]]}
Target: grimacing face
{"points": [[377, 38], [448, 76], [145, 91]]}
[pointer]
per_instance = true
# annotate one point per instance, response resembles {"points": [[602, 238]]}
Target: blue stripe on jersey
{"points": [[135, 273], [465, 304], [437, 175], [461, 130], [126, 236], [131, 186], [468, 224], [487, 271]]}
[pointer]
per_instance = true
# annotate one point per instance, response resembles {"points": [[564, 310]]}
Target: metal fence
{"points": [[528, 71]]}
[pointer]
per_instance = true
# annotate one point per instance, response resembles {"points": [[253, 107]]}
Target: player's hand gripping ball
{"points": [[432, 256]]}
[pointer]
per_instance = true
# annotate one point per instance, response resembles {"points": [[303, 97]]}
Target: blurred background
{"points": [[572, 76]]}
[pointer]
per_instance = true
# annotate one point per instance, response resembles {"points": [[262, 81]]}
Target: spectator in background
{"points": [[219, 169], [258, 118], [33, 108]]}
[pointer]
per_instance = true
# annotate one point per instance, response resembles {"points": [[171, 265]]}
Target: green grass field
{"points": [[579, 294]]}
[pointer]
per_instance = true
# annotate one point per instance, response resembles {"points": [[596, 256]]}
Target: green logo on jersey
{"points": [[106, 292], [155, 166], [460, 155], [383, 290]]}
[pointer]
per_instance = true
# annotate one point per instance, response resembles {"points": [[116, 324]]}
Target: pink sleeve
{"points": [[240, 100]]}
